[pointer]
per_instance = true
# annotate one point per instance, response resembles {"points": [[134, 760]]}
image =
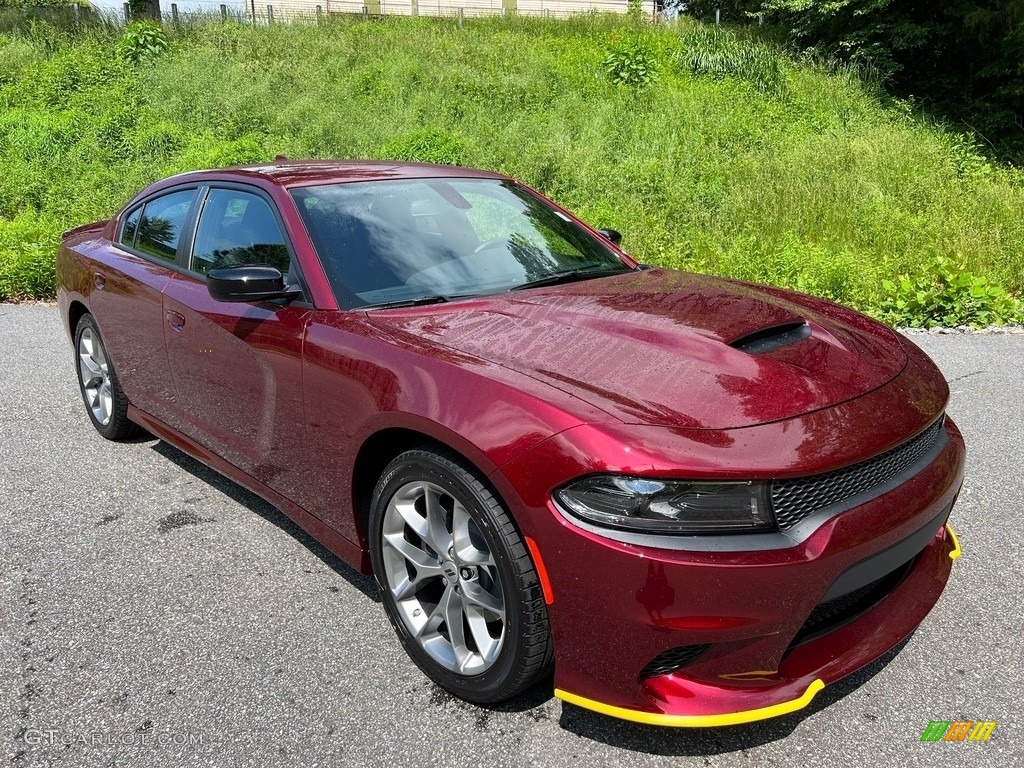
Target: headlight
{"points": [[669, 506]]}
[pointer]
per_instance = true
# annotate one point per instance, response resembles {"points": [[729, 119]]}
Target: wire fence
{"points": [[262, 12]]}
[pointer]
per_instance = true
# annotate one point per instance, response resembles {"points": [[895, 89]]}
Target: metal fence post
{"points": [[461, 16], [76, 12], [319, 14], [718, 15], [223, 12], [415, 8], [366, 13], [270, 14], [127, 13]]}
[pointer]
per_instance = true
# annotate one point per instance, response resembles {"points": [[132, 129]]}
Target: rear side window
{"points": [[238, 229], [161, 224], [131, 226]]}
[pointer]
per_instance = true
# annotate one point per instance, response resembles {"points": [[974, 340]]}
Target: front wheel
{"points": [[105, 402], [456, 579]]}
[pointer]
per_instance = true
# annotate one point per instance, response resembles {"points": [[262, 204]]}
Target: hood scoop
{"points": [[766, 340]]}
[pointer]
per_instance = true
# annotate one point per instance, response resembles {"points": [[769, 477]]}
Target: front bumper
{"points": [[674, 695], [616, 606]]}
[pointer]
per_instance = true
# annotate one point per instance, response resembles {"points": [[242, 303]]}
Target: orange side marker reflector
{"points": [[542, 572]]}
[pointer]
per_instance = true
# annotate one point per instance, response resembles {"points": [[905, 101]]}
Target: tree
{"points": [[144, 9], [962, 58]]}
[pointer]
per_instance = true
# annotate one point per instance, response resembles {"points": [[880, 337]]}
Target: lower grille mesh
{"points": [[794, 499], [833, 613]]}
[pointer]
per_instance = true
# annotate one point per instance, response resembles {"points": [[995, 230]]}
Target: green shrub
{"points": [[633, 64], [142, 41], [947, 296]]}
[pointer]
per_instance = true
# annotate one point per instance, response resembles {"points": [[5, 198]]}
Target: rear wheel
{"points": [[456, 579], [105, 402]]}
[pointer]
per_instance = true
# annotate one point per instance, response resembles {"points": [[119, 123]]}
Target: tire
{"points": [[105, 401], [445, 550]]}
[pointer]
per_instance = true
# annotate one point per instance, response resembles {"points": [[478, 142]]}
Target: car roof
{"points": [[288, 173]]}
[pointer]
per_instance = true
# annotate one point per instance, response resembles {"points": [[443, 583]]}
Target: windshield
{"points": [[388, 242]]}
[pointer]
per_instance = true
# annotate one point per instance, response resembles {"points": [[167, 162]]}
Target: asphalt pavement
{"points": [[156, 614]]}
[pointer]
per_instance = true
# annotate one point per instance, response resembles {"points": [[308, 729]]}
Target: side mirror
{"points": [[612, 234], [248, 283]]}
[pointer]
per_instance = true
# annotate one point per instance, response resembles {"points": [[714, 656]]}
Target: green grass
{"points": [[731, 158]]}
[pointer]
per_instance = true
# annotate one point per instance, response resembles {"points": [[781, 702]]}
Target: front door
{"points": [[237, 367]]}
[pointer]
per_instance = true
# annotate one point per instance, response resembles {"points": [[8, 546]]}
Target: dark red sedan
{"points": [[698, 501]]}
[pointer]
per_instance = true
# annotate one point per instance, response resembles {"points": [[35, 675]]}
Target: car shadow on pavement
{"points": [[365, 584], [712, 741]]}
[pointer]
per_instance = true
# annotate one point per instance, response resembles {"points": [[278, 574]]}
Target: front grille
{"points": [[671, 660], [833, 613], [794, 499]]}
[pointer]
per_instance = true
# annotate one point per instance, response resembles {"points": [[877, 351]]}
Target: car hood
{"points": [[670, 348]]}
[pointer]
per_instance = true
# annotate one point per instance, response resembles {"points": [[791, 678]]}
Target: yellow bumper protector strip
{"points": [[955, 552], [694, 721]]}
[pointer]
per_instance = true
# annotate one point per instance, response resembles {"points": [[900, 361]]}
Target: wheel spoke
{"points": [[440, 537], [88, 368], [407, 587], [407, 510], [467, 551], [478, 596], [436, 617], [105, 402], [98, 354], [422, 560], [453, 619], [488, 646]]}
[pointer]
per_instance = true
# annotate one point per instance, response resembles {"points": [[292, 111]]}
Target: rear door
{"points": [[127, 299], [237, 367]]}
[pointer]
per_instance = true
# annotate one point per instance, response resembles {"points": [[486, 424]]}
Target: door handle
{"points": [[175, 320]]}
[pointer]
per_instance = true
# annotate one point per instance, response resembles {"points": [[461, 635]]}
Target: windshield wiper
{"points": [[415, 302], [568, 276]]}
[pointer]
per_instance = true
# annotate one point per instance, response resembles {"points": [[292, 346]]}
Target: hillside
{"points": [[731, 158]]}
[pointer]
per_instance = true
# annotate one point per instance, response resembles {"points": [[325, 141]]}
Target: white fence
{"points": [[264, 12]]}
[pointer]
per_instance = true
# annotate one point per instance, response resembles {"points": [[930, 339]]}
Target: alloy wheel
{"points": [[443, 578], [93, 370]]}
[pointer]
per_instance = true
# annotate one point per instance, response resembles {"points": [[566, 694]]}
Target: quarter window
{"points": [[131, 226], [161, 223], [238, 229]]}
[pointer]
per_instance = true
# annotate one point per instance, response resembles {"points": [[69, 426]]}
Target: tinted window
{"points": [[162, 220], [131, 226], [397, 240], [235, 229]]}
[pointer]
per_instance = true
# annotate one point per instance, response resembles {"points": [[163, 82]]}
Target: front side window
{"points": [[161, 224], [238, 229], [393, 241]]}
